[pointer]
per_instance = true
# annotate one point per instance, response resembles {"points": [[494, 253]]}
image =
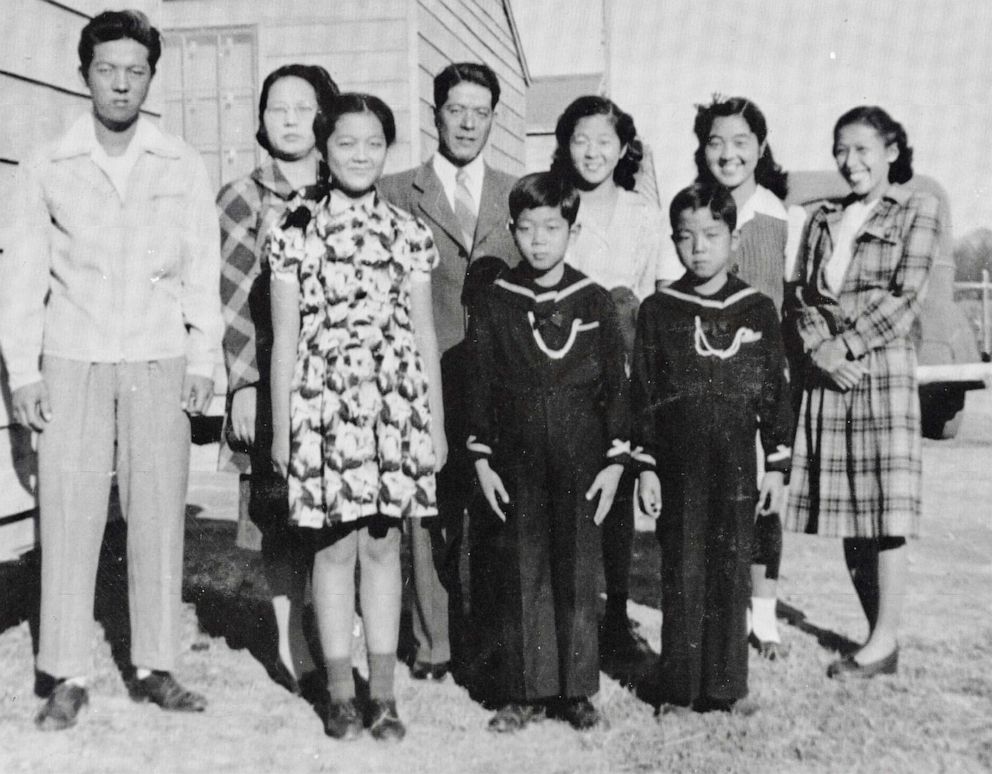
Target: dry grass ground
{"points": [[936, 715]]}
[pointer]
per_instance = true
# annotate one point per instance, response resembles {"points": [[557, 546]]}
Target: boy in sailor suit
{"points": [[548, 428], [709, 371]]}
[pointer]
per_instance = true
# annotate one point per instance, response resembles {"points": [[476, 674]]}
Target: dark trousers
{"points": [[617, 533], [540, 570]]}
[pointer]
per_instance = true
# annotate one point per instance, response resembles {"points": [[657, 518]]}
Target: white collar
{"points": [[340, 203], [81, 140], [447, 172], [761, 202]]}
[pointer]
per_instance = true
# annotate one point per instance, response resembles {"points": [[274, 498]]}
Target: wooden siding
{"points": [[473, 30], [362, 43]]}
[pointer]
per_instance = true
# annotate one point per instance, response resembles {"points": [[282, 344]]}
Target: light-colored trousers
{"points": [[95, 406]]}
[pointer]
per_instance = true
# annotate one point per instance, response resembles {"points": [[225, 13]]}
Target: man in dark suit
{"points": [[464, 201]]}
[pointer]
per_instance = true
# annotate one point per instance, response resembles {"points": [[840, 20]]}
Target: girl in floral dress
{"points": [[356, 400]]}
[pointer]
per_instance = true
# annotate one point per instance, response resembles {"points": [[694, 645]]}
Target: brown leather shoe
{"points": [[62, 707], [164, 690], [513, 717], [580, 713]]}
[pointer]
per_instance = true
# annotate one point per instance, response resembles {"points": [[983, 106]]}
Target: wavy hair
{"points": [[623, 124], [891, 132], [324, 88], [767, 173]]}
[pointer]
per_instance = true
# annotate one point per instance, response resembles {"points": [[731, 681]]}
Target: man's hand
{"points": [[649, 493], [771, 498], [605, 484], [31, 406], [242, 419], [280, 453], [197, 392], [492, 487]]}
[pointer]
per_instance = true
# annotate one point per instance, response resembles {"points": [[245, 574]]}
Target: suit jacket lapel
{"points": [[492, 211], [434, 204]]}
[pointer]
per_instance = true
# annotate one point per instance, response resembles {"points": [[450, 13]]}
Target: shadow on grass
{"points": [[826, 638]]}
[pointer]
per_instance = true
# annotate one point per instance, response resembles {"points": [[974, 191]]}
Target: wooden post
{"points": [[986, 316]]}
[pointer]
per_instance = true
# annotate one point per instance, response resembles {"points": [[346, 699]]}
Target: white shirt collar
{"points": [[81, 140], [761, 202], [340, 203], [475, 171]]}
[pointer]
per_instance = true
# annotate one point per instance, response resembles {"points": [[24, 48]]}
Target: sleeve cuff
{"points": [[640, 460], [200, 369], [18, 379], [619, 453], [477, 449], [779, 460], [855, 344]]}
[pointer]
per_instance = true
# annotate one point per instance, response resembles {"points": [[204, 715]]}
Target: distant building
{"points": [[547, 98]]}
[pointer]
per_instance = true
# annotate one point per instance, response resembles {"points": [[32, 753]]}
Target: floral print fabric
{"points": [[360, 424]]}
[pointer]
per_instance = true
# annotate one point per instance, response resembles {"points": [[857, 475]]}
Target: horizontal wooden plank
{"points": [[218, 13], [347, 69], [489, 39], [17, 536], [355, 37], [39, 42], [33, 114]]}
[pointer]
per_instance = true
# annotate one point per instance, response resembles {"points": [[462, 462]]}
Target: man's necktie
{"points": [[465, 208]]}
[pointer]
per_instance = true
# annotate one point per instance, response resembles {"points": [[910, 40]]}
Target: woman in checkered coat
{"points": [[861, 278], [248, 207]]}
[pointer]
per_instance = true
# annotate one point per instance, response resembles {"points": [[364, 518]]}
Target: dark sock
{"points": [[340, 682], [381, 668]]}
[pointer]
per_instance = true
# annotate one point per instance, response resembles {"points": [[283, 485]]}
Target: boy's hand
{"points": [[649, 489], [32, 406], [197, 392], [771, 498], [605, 484], [492, 487]]}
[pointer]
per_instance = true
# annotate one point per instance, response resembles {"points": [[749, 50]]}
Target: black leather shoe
{"points": [[421, 670], [847, 667], [162, 689], [513, 717], [580, 713], [384, 722], [62, 707], [343, 720]]}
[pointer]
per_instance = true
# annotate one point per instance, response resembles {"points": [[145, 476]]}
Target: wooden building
{"points": [[216, 54]]}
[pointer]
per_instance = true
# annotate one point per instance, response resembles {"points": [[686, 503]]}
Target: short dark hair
{"points": [[117, 25], [891, 132], [464, 72], [767, 173], [324, 88], [355, 102], [544, 189], [704, 196], [623, 123]]}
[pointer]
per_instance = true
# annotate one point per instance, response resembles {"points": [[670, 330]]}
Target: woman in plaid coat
{"points": [[857, 457], [248, 208]]}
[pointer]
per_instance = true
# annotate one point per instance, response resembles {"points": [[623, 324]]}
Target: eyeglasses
{"points": [[459, 111], [283, 111]]}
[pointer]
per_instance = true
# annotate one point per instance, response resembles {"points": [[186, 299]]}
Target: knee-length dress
{"points": [[857, 455], [360, 439]]}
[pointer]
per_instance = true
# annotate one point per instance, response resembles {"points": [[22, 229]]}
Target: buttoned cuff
{"points": [[22, 378], [641, 461], [477, 450]]}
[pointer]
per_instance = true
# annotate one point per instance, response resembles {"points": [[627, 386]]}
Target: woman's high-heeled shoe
{"points": [[846, 667]]}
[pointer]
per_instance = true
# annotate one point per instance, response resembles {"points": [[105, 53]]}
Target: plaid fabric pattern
{"points": [[857, 455], [248, 208]]}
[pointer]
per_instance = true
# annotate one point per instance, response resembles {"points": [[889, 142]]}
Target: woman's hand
{"points": [[280, 453], [831, 358], [771, 497], [242, 418], [440, 442], [492, 487], [605, 485], [649, 493]]}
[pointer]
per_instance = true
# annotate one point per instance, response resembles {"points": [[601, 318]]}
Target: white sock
{"points": [[78, 681], [142, 673], [763, 622]]}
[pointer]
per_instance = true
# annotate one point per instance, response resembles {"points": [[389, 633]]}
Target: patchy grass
{"points": [[933, 716]]}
